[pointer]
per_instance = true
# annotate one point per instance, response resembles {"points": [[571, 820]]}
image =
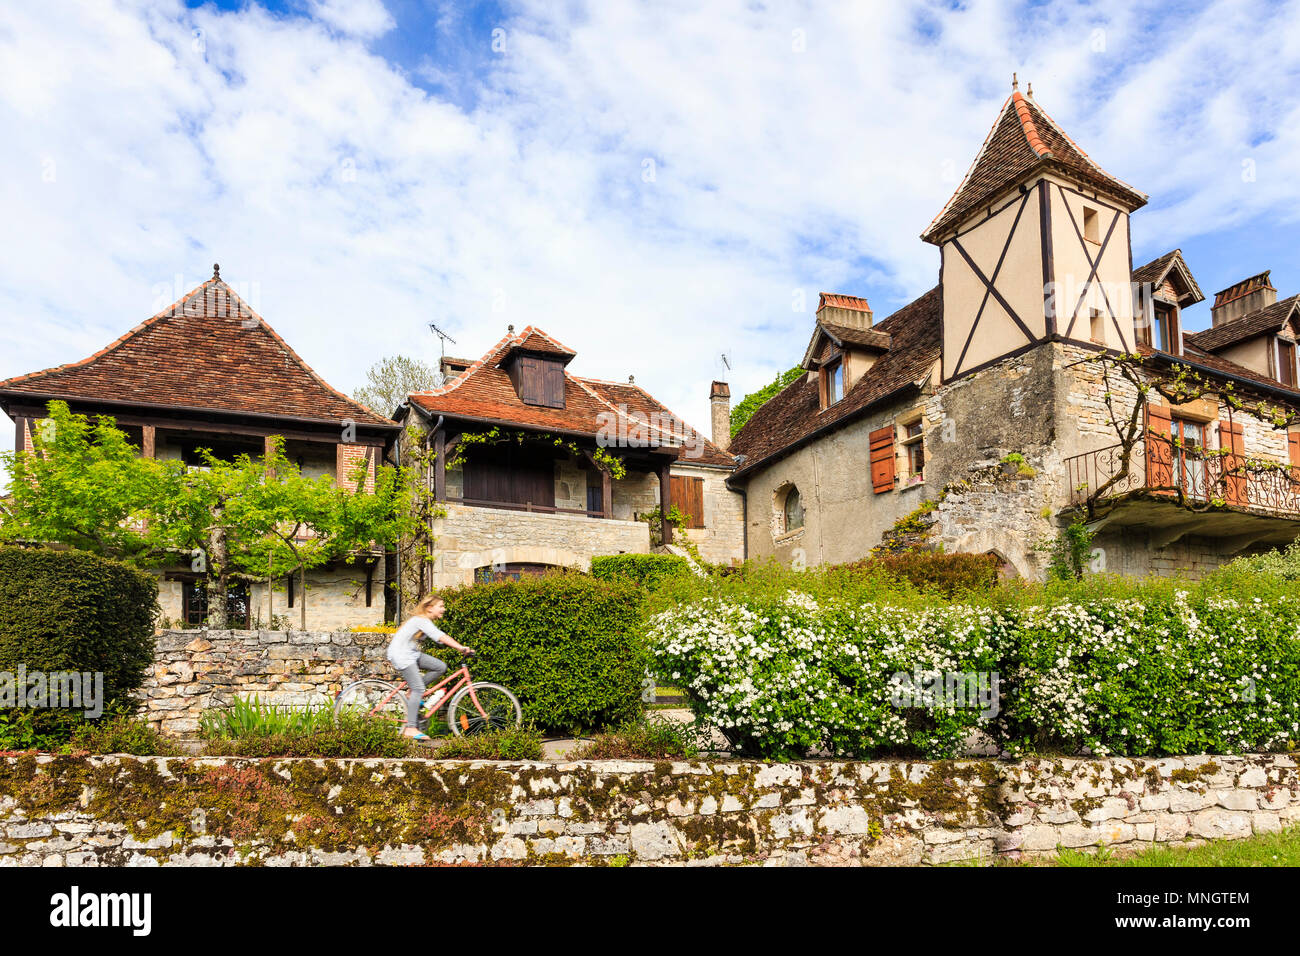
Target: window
{"points": [[1097, 327], [832, 382], [1190, 470], [1090, 230], [537, 380], [194, 604], [1163, 323], [1286, 369], [792, 511], [914, 451]]}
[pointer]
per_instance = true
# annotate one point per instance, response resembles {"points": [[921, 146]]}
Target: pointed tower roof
{"points": [[208, 351], [1024, 140]]}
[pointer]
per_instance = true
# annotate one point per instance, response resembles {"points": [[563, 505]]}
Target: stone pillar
{"points": [[720, 407]]}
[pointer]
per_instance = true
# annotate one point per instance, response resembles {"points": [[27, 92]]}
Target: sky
{"points": [[654, 184]]}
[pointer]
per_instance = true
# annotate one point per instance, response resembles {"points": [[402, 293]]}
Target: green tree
{"points": [[751, 403], [391, 379], [86, 485]]}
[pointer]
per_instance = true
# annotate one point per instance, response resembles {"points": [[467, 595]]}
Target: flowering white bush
{"points": [[783, 679], [786, 678], [1160, 677]]}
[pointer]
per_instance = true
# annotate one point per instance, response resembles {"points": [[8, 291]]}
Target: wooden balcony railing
{"points": [[526, 506]]}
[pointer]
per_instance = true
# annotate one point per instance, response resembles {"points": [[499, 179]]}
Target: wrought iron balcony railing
{"points": [[1194, 476]]}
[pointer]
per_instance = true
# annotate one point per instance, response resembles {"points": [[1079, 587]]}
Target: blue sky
{"points": [[654, 184]]}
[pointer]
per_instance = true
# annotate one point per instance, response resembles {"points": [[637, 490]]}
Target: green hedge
{"points": [[937, 571], [72, 611], [647, 571], [566, 644], [1154, 669]]}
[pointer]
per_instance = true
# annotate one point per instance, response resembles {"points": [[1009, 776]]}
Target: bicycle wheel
{"points": [[372, 698], [500, 709]]}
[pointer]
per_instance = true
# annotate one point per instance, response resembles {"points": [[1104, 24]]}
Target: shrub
{"points": [[785, 678], [513, 743], [646, 571], [937, 571], [1168, 674], [655, 738], [72, 611], [249, 717], [1107, 665], [566, 644], [350, 735], [122, 734]]}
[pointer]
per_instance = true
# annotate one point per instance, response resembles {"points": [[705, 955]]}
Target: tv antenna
{"points": [[726, 361], [443, 336]]}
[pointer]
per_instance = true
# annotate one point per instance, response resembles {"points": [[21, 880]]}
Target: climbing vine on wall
{"points": [[496, 436]]}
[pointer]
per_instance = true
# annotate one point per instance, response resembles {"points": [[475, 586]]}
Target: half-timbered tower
{"points": [[991, 410]]}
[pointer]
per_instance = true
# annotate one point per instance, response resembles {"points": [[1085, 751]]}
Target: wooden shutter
{"points": [[1230, 439], [1159, 449], [688, 496], [1293, 445], [553, 382], [882, 459]]}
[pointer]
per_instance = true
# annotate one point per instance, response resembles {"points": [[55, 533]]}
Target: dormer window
{"points": [[832, 380], [538, 380], [1286, 367]]}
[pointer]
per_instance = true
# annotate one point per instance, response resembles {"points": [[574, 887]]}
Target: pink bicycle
{"points": [[473, 707]]}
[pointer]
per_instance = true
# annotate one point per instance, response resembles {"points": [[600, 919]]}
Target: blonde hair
{"points": [[427, 602]]}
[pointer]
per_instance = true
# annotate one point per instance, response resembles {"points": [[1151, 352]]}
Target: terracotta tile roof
{"points": [[837, 301], [538, 341], [1244, 287], [794, 414], [1263, 321], [209, 352], [1023, 140], [484, 392]]}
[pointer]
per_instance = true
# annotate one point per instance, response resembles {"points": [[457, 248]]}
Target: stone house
{"points": [[993, 408], [517, 452], [207, 372]]}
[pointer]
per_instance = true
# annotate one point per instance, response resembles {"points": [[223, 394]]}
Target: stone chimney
{"points": [[1245, 297], [720, 406], [846, 310]]}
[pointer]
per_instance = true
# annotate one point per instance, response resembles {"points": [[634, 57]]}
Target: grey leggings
{"points": [[416, 682]]}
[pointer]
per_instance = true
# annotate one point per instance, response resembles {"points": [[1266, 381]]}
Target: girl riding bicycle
{"points": [[404, 654]]}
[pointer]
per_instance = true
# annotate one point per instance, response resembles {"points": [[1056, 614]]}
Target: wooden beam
{"points": [[440, 465], [149, 442], [20, 434], [666, 502], [606, 494], [324, 436]]}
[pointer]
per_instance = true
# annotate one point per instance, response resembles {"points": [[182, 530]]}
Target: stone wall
{"points": [[336, 599], [119, 810], [470, 538], [195, 670]]}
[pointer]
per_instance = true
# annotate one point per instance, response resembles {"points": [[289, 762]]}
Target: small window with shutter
{"points": [[537, 380]]}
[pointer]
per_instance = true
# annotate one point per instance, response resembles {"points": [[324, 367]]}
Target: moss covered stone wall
{"points": [[120, 810]]}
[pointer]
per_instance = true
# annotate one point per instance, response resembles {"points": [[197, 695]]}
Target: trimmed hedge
{"points": [[1169, 670], [646, 571], [567, 645], [73, 611], [935, 571]]}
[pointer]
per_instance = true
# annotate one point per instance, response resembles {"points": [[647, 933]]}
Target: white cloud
{"points": [[363, 18], [146, 140]]}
